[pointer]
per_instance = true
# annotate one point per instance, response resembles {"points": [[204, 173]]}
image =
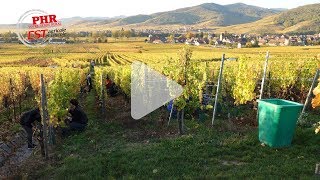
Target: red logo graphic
{"points": [[36, 28]]}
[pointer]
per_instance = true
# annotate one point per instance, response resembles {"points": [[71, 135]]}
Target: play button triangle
{"points": [[150, 90]]}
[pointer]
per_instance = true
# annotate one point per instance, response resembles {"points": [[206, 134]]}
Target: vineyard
{"points": [[290, 80], [289, 75]]}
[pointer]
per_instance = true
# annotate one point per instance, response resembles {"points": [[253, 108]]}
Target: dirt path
{"points": [[12, 165]]}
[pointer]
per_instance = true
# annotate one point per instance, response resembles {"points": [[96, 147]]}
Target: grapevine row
{"points": [[287, 78], [62, 85]]}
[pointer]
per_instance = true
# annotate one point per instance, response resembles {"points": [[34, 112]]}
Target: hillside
{"points": [[76, 21], [304, 19], [209, 13], [239, 17]]}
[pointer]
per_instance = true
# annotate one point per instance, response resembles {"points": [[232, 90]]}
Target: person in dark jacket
{"points": [[26, 121], [111, 87], [92, 64], [78, 119], [89, 82]]}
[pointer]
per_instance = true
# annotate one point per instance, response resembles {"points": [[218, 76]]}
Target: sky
{"points": [[11, 10]]}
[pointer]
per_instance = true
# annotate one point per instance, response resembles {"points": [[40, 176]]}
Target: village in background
{"points": [[189, 36]]}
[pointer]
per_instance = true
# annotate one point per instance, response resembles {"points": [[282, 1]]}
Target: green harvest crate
{"points": [[277, 121]]}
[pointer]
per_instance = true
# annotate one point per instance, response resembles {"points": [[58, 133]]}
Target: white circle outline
{"points": [[18, 26]]}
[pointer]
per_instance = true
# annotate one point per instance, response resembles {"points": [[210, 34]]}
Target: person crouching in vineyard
{"points": [[78, 120], [89, 82], [92, 64], [111, 87], [26, 121]]}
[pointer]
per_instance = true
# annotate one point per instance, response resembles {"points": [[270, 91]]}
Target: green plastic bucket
{"points": [[277, 121]]}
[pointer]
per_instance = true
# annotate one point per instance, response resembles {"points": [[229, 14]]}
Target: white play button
{"points": [[150, 90]]}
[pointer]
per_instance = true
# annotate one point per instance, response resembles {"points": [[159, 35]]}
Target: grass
{"points": [[104, 151]]}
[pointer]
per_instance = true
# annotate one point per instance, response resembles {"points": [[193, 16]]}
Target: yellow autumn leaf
{"points": [[316, 91], [316, 101]]}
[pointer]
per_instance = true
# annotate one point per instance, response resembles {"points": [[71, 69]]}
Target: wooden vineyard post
{"points": [[44, 116], [218, 89], [181, 119], [310, 94], [264, 75], [103, 102], [13, 100], [20, 110]]}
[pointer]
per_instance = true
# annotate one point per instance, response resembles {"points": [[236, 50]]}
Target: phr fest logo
{"points": [[37, 28]]}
